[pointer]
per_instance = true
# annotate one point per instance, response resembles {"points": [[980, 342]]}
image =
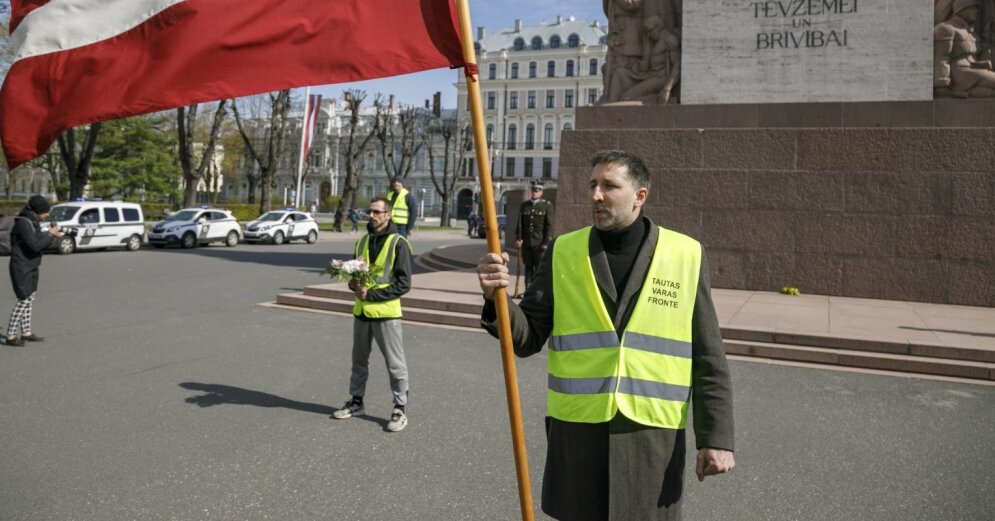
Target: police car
{"points": [[281, 226], [91, 225], [192, 226]]}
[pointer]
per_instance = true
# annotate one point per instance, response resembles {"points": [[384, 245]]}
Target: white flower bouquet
{"points": [[355, 272]]}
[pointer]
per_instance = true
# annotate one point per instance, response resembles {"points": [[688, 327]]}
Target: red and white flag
{"points": [[310, 123], [80, 61]]}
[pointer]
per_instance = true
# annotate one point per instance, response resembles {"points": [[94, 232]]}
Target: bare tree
{"points": [[456, 142], [356, 146], [398, 131], [77, 158], [267, 156], [50, 163], [186, 124]]}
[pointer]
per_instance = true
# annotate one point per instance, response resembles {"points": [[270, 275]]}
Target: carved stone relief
{"points": [[962, 48], [643, 62]]}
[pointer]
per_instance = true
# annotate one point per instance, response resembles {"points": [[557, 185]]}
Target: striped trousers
{"points": [[20, 317]]}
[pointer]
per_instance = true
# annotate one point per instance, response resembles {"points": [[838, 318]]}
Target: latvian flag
{"points": [[310, 124], [80, 61]]}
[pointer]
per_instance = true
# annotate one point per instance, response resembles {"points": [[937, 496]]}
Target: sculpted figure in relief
{"points": [[643, 62], [960, 68]]}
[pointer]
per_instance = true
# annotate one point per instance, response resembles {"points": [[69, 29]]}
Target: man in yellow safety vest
{"points": [[633, 339], [377, 313], [404, 213]]}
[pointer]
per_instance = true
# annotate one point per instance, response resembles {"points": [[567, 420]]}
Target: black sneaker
{"points": [[16, 341], [350, 409], [33, 338]]}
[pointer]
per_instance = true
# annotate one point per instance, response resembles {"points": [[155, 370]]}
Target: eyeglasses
{"points": [[371, 211]]}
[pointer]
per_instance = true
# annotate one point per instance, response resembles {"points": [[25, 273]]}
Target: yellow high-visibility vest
{"points": [[383, 266], [399, 211], [645, 375]]}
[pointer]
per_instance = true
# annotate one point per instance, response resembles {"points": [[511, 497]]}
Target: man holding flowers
{"points": [[379, 276]]}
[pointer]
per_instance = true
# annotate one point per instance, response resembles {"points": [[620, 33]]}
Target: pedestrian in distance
{"points": [[27, 242], [534, 230], [314, 208], [354, 219], [634, 339], [404, 212], [471, 222], [377, 313]]}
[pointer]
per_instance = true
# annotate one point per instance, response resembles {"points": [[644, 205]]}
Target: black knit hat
{"points": [[38, 204]]}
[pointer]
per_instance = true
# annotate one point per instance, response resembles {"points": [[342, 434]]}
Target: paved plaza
{"points": [[164, 392]]}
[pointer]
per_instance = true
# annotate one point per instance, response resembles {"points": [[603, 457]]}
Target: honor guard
{"points": [[534, 230]]}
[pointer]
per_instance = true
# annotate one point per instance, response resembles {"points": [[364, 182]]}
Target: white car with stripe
{"points": [[281, 226], [190, 227]]}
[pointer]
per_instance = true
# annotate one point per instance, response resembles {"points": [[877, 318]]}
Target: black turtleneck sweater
{"points": [[621, 247]]}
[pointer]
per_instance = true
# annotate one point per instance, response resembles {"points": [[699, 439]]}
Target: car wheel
{"points": [[278, 238], [189, 240], [134, 242], [66, 245], [231, 239], [312, 237]]}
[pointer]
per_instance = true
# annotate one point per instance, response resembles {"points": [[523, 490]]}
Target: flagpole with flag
{"points": [[494, 246], [305, 132]]}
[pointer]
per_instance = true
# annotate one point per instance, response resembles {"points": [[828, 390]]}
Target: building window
{"points": [[568, 99], [513, 100], [512, 137], [550, 99], [492, 71], [514, 71], [568, 126], [519, 44], [532, 69], [554, 42], [469, 167], [550, 69], [490, 134], [509, 167], [476, 47], [547, 136], [547, 167], [573, 40], [528, 167], [592, 96], [530, 137], [594, 67], [491, 98], [537, 44], [570, 67], [532, 99]]}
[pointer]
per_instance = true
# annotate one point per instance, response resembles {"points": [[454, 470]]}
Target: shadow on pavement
{"points": [[218, 394]]}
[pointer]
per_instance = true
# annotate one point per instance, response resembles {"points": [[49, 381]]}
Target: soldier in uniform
{"points": [[534, 230]]}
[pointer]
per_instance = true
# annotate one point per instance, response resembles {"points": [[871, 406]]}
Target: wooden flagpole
{"points": [[494, 246]]}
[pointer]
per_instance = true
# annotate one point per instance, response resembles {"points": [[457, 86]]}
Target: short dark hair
{"points": [[636, 169], [386, 203]]}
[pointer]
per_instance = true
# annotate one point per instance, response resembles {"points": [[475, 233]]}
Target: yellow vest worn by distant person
{"points": [[399, 211], [645, 375], [383, 266]]}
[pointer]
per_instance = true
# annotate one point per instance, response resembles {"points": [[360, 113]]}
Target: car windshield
{"points": [[183, 215], [270, 216], [62, 213]]}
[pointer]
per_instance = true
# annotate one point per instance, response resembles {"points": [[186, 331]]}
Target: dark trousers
{"points": [[530, 258]]}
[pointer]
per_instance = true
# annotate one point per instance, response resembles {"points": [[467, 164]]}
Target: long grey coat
{"points": [[622, 470]]}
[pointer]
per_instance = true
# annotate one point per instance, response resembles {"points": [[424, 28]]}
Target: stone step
{"points": [[863, 359], [414, 314], [431, 262], [418, 298]]}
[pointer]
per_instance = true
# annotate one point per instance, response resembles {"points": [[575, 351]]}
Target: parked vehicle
{"points": [[190, 227], [281, 226], [481, 229], [91, 225]]}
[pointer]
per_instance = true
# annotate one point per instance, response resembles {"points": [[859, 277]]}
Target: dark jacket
{"points": [[535, 223], [401, 280], [27, 242], [621, 470]]}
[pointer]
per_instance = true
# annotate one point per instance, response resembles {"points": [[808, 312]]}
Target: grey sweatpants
{"points": [[387, 333]]}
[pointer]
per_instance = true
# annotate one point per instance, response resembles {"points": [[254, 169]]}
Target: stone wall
{"points": [[891, 200]]}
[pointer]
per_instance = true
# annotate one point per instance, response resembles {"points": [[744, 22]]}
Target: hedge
{"points": [[152, 211]]}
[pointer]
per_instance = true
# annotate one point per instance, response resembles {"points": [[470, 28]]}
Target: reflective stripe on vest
{"points": [[399, 206], [647, 374], [383, 265]]}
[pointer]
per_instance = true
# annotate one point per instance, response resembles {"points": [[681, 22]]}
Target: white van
{"points": [[90, 225]]}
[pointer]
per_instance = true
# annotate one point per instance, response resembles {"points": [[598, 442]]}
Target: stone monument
{"points": [[844, 147]]}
